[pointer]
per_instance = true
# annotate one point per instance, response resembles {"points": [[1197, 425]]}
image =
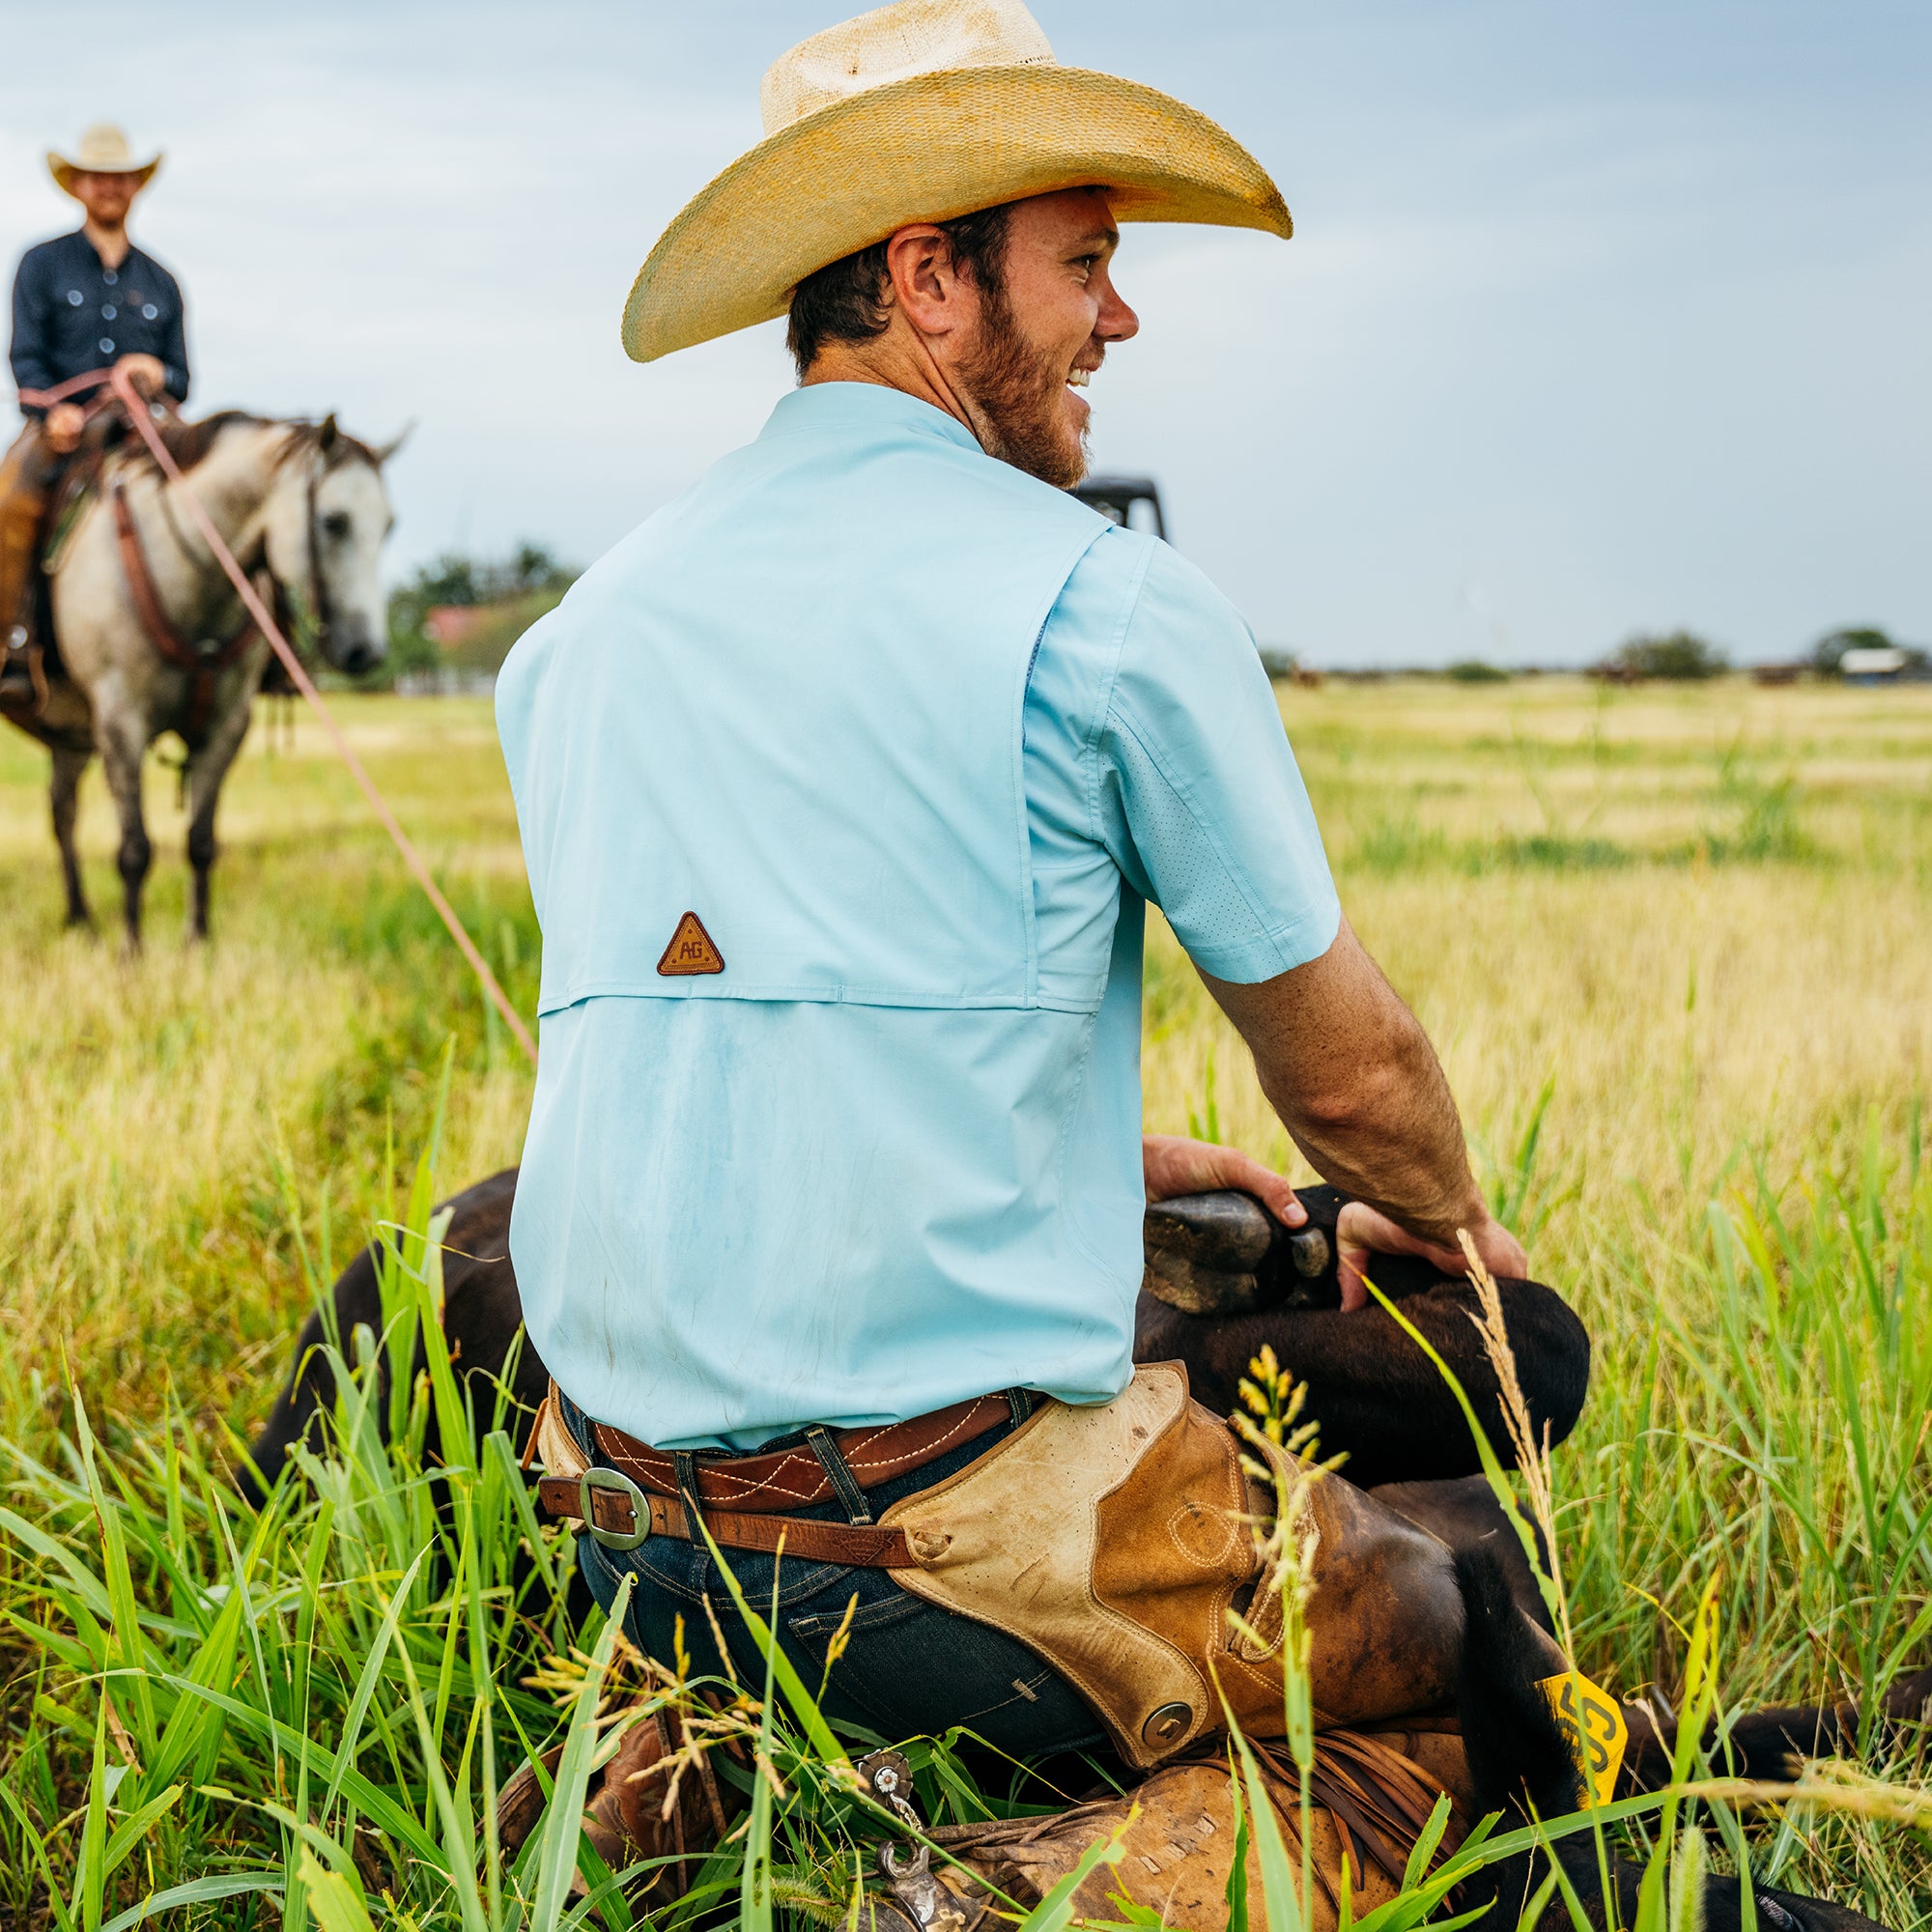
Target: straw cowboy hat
{"points": [[103, 150], [924, 111]]}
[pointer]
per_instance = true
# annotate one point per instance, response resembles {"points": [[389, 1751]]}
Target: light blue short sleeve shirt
{"points": [[915, 737]]}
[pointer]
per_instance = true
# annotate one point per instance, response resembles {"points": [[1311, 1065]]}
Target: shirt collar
{"points": [[82, 244], [865, 407]]}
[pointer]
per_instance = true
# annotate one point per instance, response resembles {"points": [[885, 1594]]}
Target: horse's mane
{"points": [[342, 448], [192, 442]]}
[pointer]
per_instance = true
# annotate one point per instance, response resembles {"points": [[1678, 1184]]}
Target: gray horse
{"points": [[303, 509]]}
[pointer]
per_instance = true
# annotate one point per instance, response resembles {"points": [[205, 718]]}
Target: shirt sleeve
{"points": [[1198, 797], [28, 352], [175, 353]]}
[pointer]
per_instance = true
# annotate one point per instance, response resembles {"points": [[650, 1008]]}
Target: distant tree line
{"points": [[1670, 656], [1677, 655], [508, 593], [1683, 655]]}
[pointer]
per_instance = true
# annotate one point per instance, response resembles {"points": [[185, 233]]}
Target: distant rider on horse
{"points": [[82, 303]]}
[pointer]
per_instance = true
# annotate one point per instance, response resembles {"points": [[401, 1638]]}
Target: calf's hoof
{"points": [[1224, 1254]]}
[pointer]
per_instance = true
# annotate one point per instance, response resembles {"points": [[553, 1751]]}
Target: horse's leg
{"points": [[122, 742], [210, 767], [69, 765]]}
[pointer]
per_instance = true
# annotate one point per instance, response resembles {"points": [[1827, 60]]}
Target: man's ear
{"points": [[924, 281]]}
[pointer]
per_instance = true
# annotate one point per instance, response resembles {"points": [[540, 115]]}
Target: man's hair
{"points": [[846, 301]]}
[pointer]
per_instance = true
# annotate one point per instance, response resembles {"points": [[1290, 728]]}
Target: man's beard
{"points": [[1022, 398]]}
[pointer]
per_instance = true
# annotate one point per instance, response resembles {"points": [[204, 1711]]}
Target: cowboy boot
{"points": [[624, 1813], [23, 502]]}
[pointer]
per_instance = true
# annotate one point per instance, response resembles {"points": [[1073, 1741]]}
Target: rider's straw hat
{"points": [[923, 111], [103, 150]]}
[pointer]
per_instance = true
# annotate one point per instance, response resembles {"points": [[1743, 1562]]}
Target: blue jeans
{"points": [[908, 1669]]}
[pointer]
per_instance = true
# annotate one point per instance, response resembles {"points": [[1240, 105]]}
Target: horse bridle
{"points": [[318, 608], [319, 613]]}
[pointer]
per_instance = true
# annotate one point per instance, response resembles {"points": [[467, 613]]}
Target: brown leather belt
{"points": [[854, 1545], [794, 1478], [743, 1499]]}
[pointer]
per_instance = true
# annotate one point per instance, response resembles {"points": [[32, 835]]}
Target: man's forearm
{"points": [[1356, 1083], [1394, 1140]]}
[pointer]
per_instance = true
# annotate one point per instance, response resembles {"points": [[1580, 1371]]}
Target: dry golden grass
{"points": [[1693, 995], [1689, 1004], [151, 1102]]}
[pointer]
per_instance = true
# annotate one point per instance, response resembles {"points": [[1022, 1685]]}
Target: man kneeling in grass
{"points": [[843, 783]]}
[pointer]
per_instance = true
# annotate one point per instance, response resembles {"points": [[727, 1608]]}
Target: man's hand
{"points": [[147, 373], [61, 426], [1358, 1087], [1362, 1231], [1173, 1166]]}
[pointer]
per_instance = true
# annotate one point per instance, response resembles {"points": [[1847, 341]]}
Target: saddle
{"points": [[1371, 1796]]}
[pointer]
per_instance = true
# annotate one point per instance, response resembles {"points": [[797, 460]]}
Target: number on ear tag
{"points": [[1593, 1722]]}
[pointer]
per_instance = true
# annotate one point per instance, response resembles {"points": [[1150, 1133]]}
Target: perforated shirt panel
{"points": [[1156, 753]]}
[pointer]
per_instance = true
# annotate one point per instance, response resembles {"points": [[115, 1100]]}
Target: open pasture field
{"points": [[1675, 946]]}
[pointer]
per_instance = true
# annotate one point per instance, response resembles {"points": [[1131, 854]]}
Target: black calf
{"points": [[1377, 1396], [1375, 1393], [1521, 1766], [1769, 1746], [482, 1317]]}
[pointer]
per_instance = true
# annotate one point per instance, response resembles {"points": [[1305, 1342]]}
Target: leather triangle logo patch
{"points": [[689, 951]]}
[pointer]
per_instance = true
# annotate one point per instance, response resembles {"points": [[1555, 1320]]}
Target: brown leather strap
{"points": [[786, 1479], [1375, 1795], [60, 392], [162, 633], [1386, 1777], [853, 1544], [141, 586]]}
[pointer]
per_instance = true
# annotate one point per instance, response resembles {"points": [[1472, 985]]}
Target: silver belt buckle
{"points": [[601, 1478]]}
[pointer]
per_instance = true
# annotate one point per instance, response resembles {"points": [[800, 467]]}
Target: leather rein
{"points": [[204, 666]]}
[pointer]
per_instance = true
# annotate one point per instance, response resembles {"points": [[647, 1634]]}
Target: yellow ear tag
{"points": [[1597, 1731]]}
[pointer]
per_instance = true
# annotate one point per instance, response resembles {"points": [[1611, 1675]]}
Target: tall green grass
{"points": [[1724, 1175], [241, 1718]]}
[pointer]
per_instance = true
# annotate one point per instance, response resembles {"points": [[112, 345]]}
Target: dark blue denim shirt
{"points": [[72, 313]]}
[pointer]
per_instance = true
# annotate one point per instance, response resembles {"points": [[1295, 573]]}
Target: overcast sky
{"points": [[1598, 317]]}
